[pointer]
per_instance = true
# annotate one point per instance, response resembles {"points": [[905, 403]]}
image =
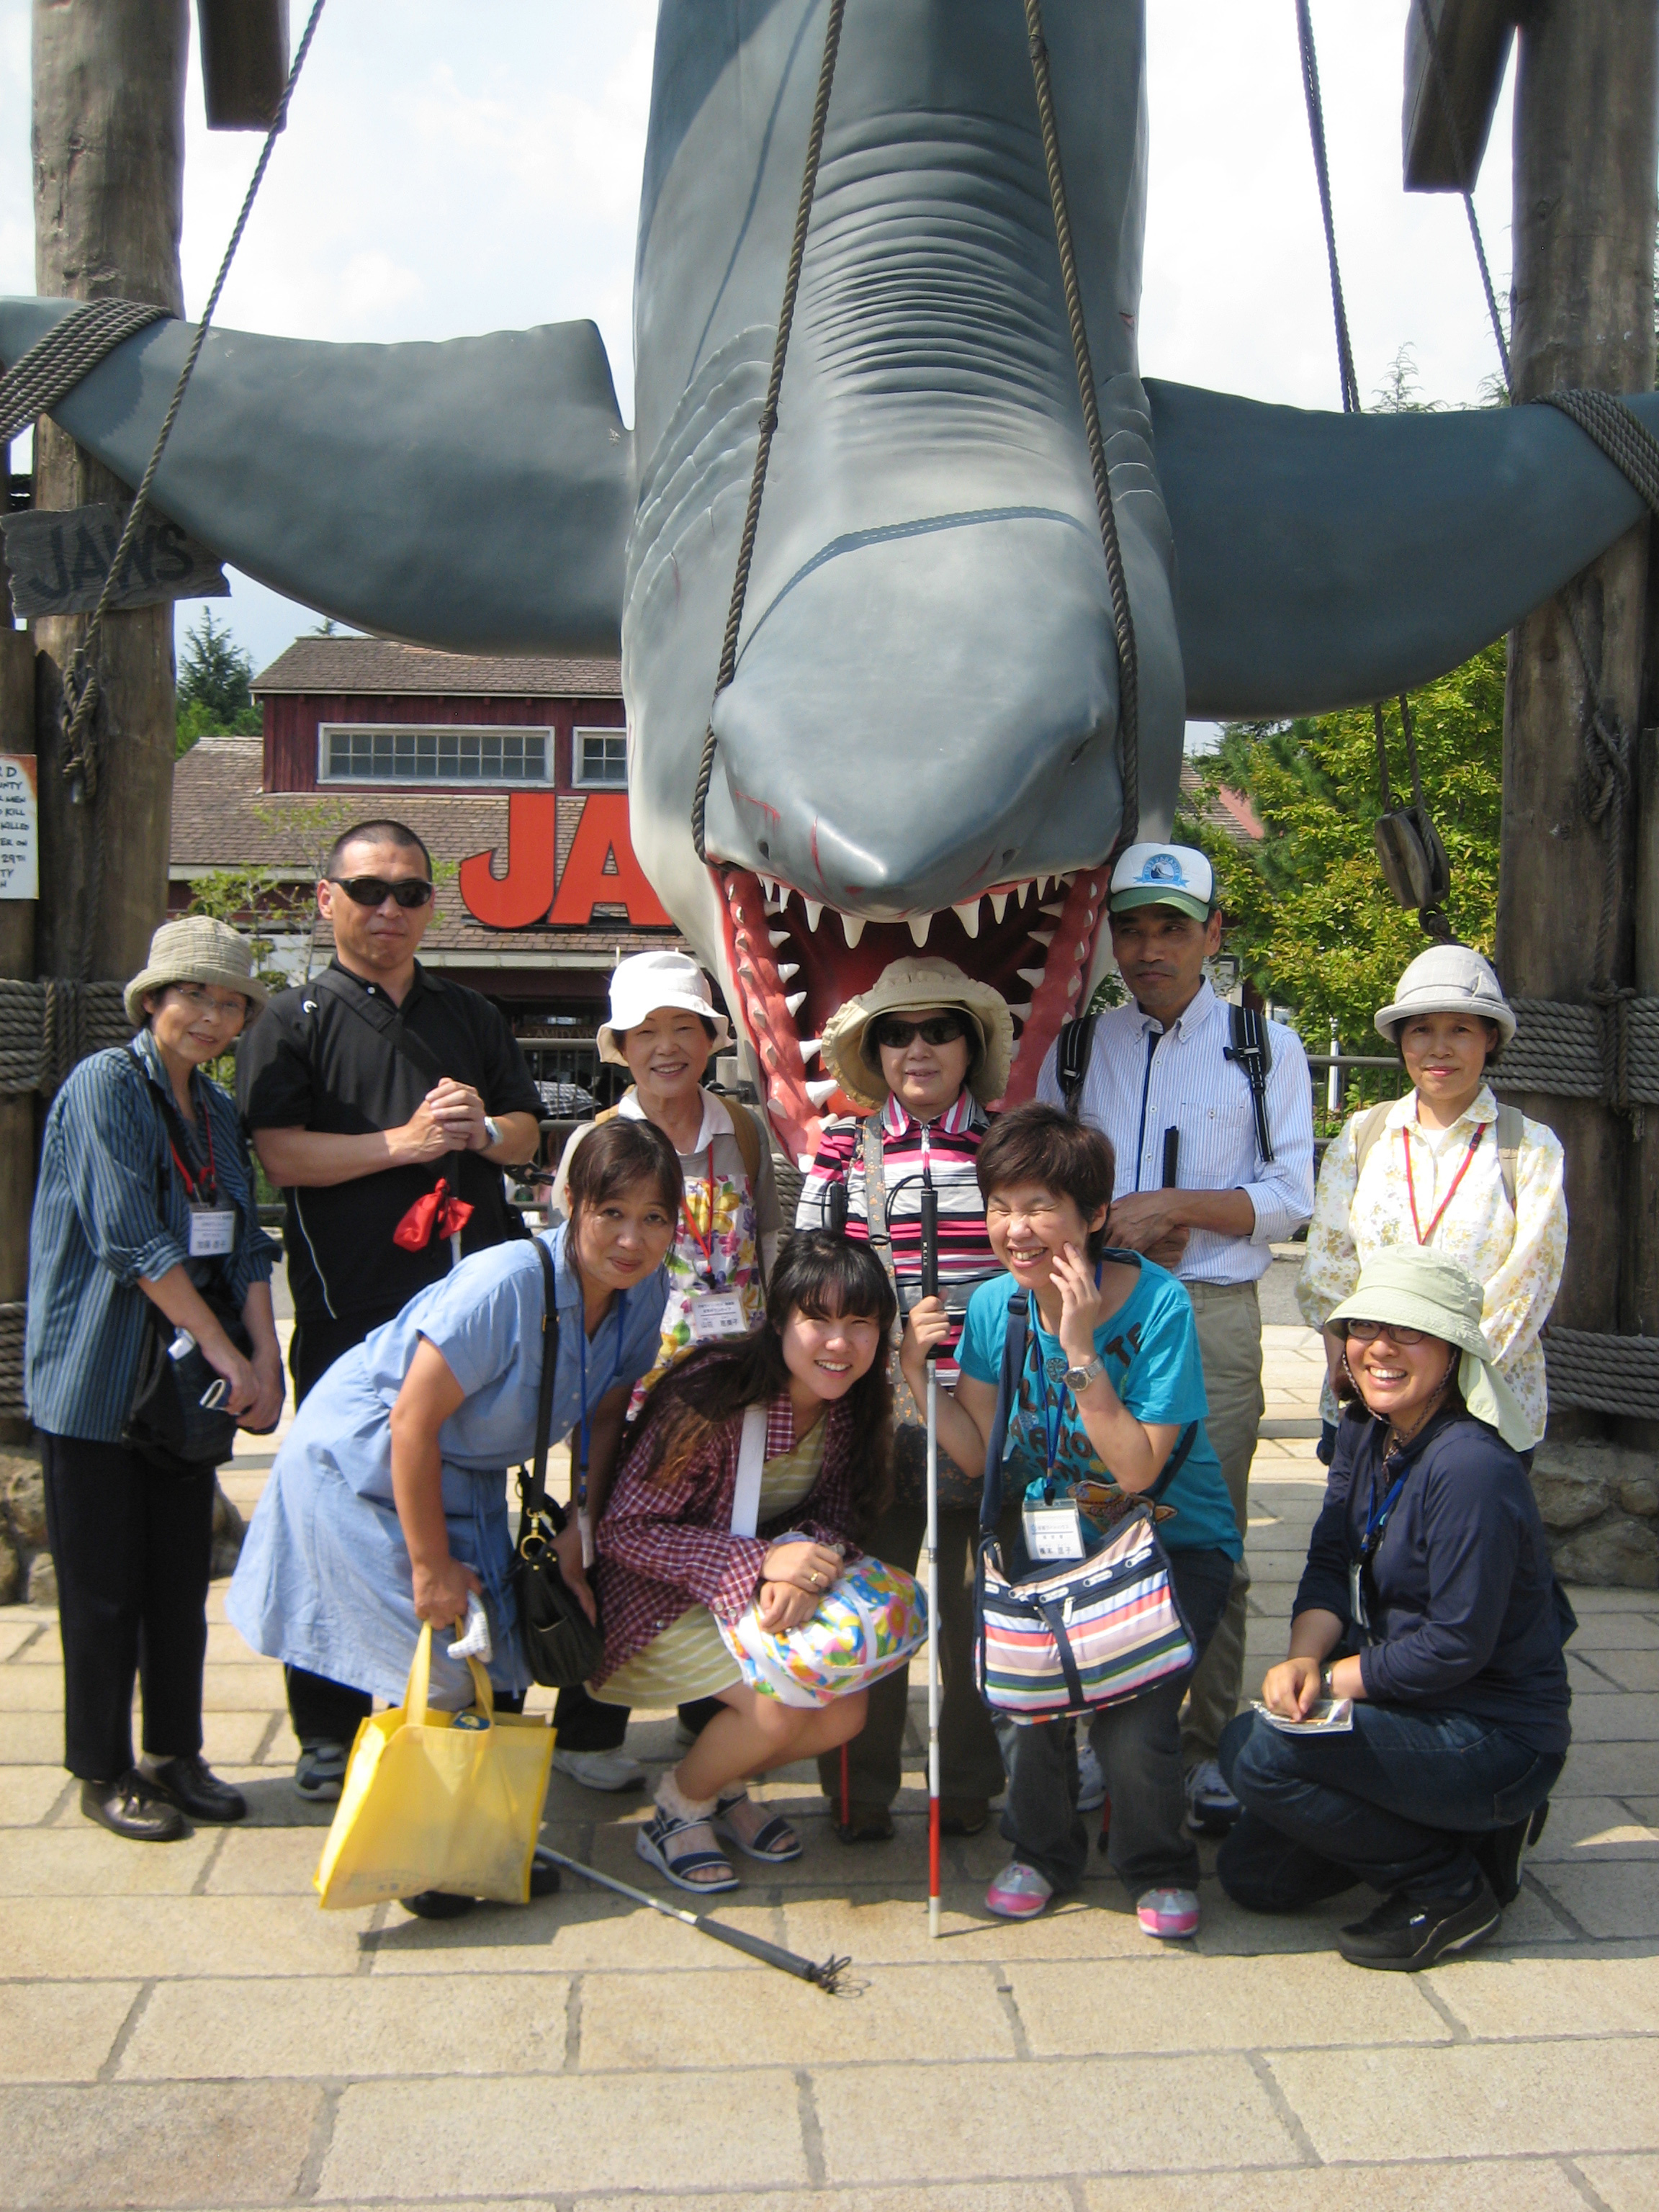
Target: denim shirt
{"points": [[110, 1206]]}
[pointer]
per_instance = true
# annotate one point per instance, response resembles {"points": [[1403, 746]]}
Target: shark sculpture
{"points": [[920, 743]]}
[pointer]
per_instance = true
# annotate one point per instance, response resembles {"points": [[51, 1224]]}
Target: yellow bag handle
{"points": [[420, 1678]]}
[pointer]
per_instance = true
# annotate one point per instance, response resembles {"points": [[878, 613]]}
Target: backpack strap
{"points": [[1367, 1129], [1013, 1360], [1252, 1050], [751, 1459], [533, 1490], [1511, 1134], [1072, 1051], [746, 1131]]}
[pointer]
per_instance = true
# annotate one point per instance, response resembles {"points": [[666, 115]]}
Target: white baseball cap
{"points": [[647, 982], [1162, 875]]}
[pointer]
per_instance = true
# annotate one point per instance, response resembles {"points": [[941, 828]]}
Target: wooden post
{"points": [[108, 142], [1583, 315]]}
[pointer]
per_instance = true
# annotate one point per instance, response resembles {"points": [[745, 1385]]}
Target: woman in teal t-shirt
{"points": [[1110, 1380]]}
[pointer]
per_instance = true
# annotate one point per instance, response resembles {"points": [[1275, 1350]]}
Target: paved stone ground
{"points": [[182, 2026]]}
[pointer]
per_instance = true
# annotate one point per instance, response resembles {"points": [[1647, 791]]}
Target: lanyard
{"points": [[704, 1243], [206, 1191], [1424, 1235], [1054, 1409], [1378, 1520]]}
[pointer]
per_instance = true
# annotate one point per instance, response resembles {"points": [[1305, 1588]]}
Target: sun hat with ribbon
{"points": [[196, 950], [646, 983], [1447, 978], [909, 986], [1426, 1291]]}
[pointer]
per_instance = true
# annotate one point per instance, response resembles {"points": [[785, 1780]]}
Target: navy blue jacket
{"points": [[1466, 1617]]}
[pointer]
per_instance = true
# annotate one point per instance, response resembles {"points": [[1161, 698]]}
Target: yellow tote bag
{"points": [[438, 1801]]}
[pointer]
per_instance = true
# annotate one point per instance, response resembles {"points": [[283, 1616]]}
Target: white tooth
{"points": [[769, 885], [814, 912], [1068, 878], [967, 915], [795, 1001], [919, 925], [1042, 883], [788, 971], [853, 924], [1056, 908], [1020, 890], [817, 1092], [1041, 936], [1021, 1013], [999, 903], [1031, 976], [811, 1048], [779, 936]]}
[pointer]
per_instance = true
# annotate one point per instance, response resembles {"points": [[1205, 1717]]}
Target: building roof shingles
{"points": [[333, 665]]}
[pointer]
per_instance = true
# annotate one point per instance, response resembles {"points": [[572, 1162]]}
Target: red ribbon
{"points": [[437, 1212]]}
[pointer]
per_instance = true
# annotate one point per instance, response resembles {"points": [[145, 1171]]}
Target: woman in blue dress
{"points": [[387, 1504]]}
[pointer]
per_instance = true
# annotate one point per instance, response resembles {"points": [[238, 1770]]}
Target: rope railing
{"points": [[13, 1320], [49, 1025]]}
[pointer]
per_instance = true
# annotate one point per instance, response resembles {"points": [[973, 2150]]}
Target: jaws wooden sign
{"points": [[600, 869]]}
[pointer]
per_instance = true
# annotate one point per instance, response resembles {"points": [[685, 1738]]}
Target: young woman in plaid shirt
{"points": [[670, 1567]]}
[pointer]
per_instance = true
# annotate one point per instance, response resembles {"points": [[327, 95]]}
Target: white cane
{"points": [[930, 1290]]}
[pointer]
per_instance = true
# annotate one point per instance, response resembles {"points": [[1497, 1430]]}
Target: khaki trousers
{"points": [[1229, 1317]]}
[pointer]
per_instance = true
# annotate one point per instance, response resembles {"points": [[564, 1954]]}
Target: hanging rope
{"points": [[80, 683], [769, 419], [1316, 107]]}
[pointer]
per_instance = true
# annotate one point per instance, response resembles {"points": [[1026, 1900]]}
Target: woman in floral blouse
{"points": [[1446, 1167]]}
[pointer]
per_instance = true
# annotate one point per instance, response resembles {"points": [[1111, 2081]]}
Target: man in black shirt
{"points": [[361, 1092]]}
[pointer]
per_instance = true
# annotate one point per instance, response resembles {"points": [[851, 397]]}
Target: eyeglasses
{"points": [[375, 890], [941, 1029], [1366, 1332], [232, 1007]]}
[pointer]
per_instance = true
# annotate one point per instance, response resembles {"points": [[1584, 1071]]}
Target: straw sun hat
{"points": [[196, 950], [1447, 978], [1424, 1290], [907, 987]]}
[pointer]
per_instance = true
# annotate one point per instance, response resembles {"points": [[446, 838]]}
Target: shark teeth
{"points": [[820, 1089], [1031, 976], [999, 904], [796, 999], [814, 912], [852, 925], [1056, 906], [1043, 937], [778, 937], [788, 971], [919, 925], [811, 1048], [1021, 1013], [967, 915]]}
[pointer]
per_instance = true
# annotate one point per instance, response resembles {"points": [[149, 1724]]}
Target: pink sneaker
{"points": [[1169, 1912], [1019, 1892]]}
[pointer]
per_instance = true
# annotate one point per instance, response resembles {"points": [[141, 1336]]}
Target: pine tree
{"points": [[213, 691]]}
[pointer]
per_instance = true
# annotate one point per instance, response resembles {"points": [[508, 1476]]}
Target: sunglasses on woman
{"points": [[1366, 1332], [941, 1029], [375, 890]]}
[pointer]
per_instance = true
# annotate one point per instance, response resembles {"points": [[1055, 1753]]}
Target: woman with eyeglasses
{"points": [[920, 1054], [1428, 1600], [145, 1200]]}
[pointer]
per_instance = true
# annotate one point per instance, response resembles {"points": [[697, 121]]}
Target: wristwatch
{"points": [[492, 1131], [1327, 1688], [1078, 1379]]}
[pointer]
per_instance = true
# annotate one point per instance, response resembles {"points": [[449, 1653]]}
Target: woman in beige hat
{"points": [[1447, 1169], [145, 1219], [1428, 1600], [922, 1052]]}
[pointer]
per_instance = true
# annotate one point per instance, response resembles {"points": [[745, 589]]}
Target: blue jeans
{"points": [[1395, 1804], [1139, 1747]]}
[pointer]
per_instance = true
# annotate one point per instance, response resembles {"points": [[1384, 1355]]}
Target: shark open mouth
{"points": [[793, 961]]}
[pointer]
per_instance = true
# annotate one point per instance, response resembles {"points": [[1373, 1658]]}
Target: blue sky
{"points": [[454, 166]]}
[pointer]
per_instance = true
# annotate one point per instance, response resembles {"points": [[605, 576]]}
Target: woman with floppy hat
{"points": [[1447, 1169], [922, 1052], [1428, 1599], [663, 1028], [145, 1199]]}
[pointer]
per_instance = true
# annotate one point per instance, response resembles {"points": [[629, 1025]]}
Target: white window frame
{"points": [[592, 782], [326, 731]]}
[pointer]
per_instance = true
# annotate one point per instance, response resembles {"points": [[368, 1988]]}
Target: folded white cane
{"points": [[930, 1290]]}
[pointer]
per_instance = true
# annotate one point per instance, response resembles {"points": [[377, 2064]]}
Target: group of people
{"points": [[744, 1407]]}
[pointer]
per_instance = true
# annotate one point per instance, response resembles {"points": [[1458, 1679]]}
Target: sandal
{"points": [[653, 1843], [774, 1839]]}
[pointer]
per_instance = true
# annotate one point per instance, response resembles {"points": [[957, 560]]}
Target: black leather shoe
{"points": [[131, 1808], [437, 1905], [190, 1785], [1404, 1935]]}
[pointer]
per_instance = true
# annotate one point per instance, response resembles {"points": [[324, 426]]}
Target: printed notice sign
{"points": [[20, 828]]}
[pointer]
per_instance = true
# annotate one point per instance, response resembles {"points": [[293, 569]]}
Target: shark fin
{"points": [[474, 495], [1328, 559]]}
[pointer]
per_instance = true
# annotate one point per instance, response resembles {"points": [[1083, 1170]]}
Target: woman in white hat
{"points": [[1447, 1169], [1428, 1599], [921, 1052], [145, 1219], [663, 1028]]}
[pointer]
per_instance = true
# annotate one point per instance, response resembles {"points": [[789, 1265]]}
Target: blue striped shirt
{"points": [[109, 1208]]}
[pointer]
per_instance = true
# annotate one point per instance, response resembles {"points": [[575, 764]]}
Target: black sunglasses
{"points": [[375, 890], [943, 1029], [1367, 1331]]}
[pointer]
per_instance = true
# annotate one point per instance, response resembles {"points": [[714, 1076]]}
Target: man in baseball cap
{"points": [[1210, 1115]]}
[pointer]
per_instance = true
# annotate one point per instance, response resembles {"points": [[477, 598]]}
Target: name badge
{"points": [[212, 1230], [1054, 1532], [716, 1314]]}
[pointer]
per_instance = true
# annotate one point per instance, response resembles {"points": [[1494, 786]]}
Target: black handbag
{"points": [[562, 1646], [167, 1423]]}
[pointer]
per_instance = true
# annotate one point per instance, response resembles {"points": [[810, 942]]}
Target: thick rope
{"points": [[14, 1321], [1129, 657], [1315, 106], [81, 684], [769, 418], [71, 350], [1603, 1373], [47, 1026]]}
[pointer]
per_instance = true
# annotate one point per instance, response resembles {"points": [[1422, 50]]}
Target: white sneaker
{"points": [[601, 1770], [1212, 1807], [1091, 1782]]}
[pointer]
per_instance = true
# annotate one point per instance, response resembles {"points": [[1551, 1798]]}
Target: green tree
{"points": [[1311, 918], [214, 697]]}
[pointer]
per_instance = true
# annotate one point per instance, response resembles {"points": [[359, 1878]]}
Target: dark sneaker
{"points": [[1405, 1935], [320, 1772], [1500, 1853]]}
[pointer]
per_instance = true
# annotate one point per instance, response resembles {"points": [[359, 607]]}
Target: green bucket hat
{"points": [[1426, 1291]]}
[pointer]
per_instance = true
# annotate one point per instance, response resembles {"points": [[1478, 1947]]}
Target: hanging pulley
{"points": [[1415, 864]]}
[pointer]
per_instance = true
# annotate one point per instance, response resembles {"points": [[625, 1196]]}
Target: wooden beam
{"points": [[1473, 37], [243, 61]]}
